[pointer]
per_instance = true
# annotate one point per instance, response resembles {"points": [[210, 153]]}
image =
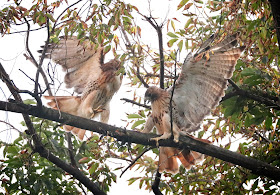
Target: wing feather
{"points": [[203, 80], [81, 61]]}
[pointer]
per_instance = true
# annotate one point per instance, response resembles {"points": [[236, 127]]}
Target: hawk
{"points": [[197, 91], [95, 81]]}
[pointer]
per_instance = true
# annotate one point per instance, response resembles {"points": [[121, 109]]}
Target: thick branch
{"points": [[38, 146], [69, 169], [275, 6], [257, 167], [156, 183], [265, 99]]}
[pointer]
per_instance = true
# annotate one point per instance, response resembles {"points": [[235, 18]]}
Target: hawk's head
{"points": [[152, 94], [113, 64]]}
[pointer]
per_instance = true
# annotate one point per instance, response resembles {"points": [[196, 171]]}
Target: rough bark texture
{"points": [[257, 167], [275, 7], [38, 146]]}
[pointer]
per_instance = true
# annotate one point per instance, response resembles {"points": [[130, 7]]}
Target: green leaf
{"points": [[12, 150], [132, 180], [188, 23], [181, 4], [172, 35], [248, 119], [81, 34], [107, 49], [248, 72], [171, 42], [186, 44], [137, 123], [93, 168], [50, 17], [29, 101], [180, 45], [131, 116], [268, 122], [255, 185]]}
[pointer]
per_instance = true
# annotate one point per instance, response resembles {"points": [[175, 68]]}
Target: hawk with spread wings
{"points": [[87, 73], [197, 91]]}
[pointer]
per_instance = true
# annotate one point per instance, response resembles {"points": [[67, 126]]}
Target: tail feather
{"points": [[168, 158], [69, 104]]}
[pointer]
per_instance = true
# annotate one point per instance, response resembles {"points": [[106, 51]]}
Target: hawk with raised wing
{"points": [[86, 72], [197, 91]]}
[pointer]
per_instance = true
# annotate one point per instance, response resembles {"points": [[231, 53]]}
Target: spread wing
{"points": [[88, 75], [203, 80], [81, 60]]}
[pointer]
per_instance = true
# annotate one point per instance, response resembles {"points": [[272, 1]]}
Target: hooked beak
{"points": [[146, 100]]}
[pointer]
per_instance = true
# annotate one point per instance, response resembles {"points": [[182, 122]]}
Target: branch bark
{"points": [[136, 103], [158, 28], [136, 63], [265, 99], [256, 166], [275, 6], [38, 146], [156, 183]]}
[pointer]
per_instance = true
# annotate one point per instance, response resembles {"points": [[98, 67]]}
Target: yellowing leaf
{"points": [[171, 42], [173, 25], [181, 4], [84, 160], [188, 6]]}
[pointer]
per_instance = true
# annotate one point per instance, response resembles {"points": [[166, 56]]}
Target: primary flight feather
{"points": [[86, 72], [197, 91]]}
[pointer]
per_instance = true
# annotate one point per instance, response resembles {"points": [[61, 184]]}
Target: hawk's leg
{"points": [[164, 136], [176, 135], [96, 111]]}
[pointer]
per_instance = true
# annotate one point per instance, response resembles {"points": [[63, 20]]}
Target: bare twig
{"points": [[70, 149], [136, 103], [134, 161], [171, 97], [55, 23], [165, 76], [129, 46]]}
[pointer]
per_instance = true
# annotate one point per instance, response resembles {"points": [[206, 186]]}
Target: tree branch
{"points": [[136, 103], [265, 99], [158, 28], [135, 160], [39, 147], [70, 149], [256, 166], [274, 4], [156, 184], [129, 46]]}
